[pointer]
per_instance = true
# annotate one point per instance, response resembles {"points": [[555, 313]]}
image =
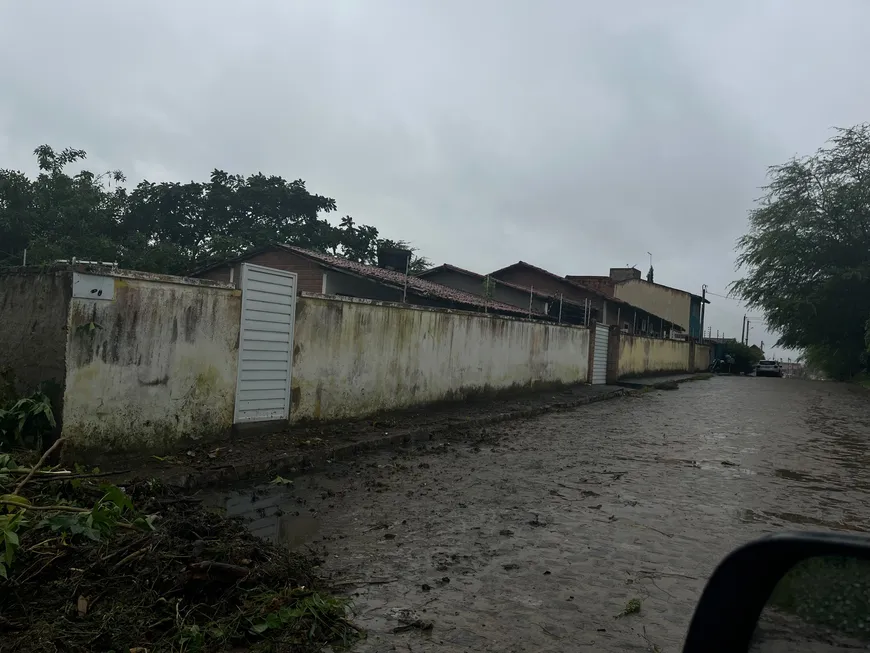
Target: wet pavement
{"points": [[535, 534], [652, 381]]}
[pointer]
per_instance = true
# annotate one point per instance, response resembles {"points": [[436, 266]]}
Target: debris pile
{"points": [[88, 566]]}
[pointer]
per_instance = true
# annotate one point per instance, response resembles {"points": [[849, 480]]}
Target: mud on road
{"points": [[536, 534]]}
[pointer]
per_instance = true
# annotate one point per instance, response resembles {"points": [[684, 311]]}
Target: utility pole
{"points": [[743, 331], [703, 302]]}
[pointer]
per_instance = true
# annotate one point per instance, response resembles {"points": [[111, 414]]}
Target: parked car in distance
{"points": [[768, 368]]}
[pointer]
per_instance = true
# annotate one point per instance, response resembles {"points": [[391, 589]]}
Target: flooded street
{"points": [[535, 535]]}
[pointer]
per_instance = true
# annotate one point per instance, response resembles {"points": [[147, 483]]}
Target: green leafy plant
{"points": [[25, 422], [61, 213], [631, 607], [9, 541], [744, 357], [112, 511], [304, 612], [806, 257]]}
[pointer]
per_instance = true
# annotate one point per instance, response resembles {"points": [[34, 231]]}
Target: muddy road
{"points": [[535, 535]]}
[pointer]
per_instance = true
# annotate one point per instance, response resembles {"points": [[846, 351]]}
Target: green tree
{"points": [[745, 357], [807, 253], [58, 215], [165, 227], [418, 263]]}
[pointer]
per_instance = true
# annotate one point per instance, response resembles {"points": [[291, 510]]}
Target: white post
{"points": [[25, 257]]}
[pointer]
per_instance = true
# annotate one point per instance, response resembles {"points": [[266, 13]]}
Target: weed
{"points": [[25, 422], [302, 612], [632, 607], [169, 575]]}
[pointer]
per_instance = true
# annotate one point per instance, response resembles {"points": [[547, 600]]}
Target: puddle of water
{"points": [[271, 513], [794, 476], [295, 531]]}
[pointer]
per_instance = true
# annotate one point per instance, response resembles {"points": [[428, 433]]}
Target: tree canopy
{"points": [[167, 227], [807, 253]]}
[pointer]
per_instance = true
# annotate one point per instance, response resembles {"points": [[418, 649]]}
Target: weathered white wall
{"points": [[152, 367], [355, 357], [639, 355], [703, 357]]}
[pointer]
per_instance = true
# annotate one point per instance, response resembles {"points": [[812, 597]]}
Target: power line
{"points": [[733, 299]]}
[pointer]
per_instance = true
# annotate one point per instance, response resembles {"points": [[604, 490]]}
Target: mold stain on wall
{"points": [[354, 358], [155, 366]]}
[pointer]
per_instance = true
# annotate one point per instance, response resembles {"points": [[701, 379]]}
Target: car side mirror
{"points": [[789, 592]]}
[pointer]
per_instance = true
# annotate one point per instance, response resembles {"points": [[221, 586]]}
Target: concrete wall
{"points": [[33, 323], [639, 355], [151, 367], [703, 357], [355, 357], [673, 305]]}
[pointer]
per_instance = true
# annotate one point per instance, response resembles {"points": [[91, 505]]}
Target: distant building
{"points": [[479, 284], [331, 275], [579, 302], [680, 307]]}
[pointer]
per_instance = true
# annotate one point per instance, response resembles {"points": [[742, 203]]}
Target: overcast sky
{"points": [[571, 134]]}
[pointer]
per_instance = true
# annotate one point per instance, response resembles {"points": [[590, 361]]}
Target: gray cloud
{"points": [[574, 135]]}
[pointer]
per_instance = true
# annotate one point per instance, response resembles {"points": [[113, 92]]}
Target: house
{"points": [[322, 273], [677, 306], [582, 299], [479, 284]]}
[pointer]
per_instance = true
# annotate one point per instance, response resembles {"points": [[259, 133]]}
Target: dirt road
{"points": [[536, 534]]}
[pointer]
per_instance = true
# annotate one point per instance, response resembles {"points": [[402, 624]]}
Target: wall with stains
{"points": [[33, 323], [356, 357], [640, 356], [151, 367]]}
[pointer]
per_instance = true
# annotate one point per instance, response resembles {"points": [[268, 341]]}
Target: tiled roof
{"points": [[615, 300], [415, 284], [579, 279], [515, 286]]}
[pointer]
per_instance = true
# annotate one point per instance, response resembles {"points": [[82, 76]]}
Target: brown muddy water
{"points": [[533, 535]]}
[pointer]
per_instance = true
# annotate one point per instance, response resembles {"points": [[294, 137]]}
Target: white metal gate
{"points": [[599, 355], [265, 344]]}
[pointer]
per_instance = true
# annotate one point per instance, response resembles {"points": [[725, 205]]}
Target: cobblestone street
{"points": [[533, 535]]}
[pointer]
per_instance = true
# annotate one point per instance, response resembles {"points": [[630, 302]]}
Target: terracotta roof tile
{"points": [[509, 284], [416, 285]]}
